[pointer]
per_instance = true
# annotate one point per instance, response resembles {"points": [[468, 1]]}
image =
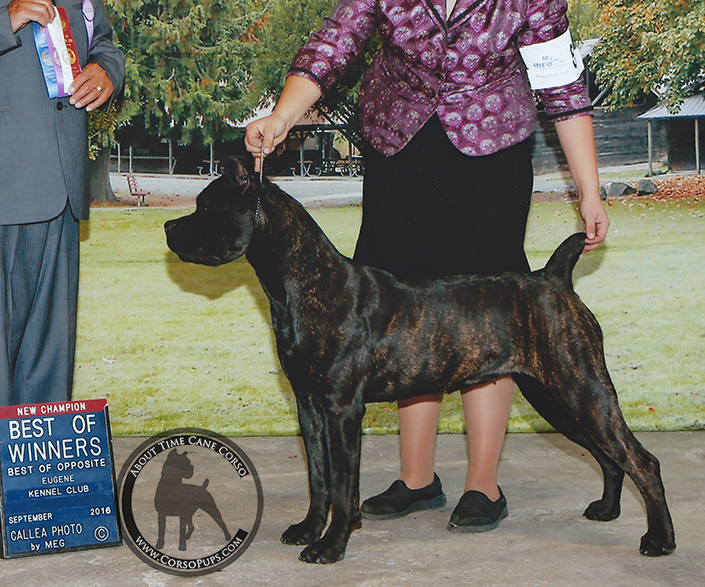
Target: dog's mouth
{"points": [[209, 260]]}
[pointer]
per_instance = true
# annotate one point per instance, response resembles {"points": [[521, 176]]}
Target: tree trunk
{"points": [[100, 188]]}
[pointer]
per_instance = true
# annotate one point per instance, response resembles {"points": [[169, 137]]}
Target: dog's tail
{"points": [[563, 260], [204, 484]]}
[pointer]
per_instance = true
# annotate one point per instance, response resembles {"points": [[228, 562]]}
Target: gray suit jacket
{"points": [[43, 141]]}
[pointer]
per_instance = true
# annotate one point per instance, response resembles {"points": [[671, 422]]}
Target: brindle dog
{"points": [[348, 334]]}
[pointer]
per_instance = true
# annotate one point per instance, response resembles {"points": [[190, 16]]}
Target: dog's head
{"points": [[177, 465], [220, 229]]}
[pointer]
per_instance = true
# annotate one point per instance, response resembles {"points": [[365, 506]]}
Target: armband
{"points": [[552, 64]]}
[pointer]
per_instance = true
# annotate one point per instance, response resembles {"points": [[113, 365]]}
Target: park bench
{"points": [[136, 191]]}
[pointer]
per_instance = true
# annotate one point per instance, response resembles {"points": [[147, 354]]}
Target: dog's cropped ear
{"points": [[237, 172]]}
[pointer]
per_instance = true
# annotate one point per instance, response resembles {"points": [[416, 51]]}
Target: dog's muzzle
{"points": [[175, 241]]}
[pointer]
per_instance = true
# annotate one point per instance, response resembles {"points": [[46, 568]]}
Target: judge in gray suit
{"points": [[44, 193]]}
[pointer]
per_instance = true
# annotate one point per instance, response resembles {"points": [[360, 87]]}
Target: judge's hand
{"points": [[22, 12], [91, 88]]}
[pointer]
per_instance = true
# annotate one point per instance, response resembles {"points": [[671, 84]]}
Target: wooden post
{"points": [[697, 146], [649, 134], [301, 153]]}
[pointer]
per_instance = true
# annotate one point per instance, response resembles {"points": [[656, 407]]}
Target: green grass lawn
{"points": [[171, 344]]}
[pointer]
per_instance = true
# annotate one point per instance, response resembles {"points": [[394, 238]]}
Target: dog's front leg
{"points": [[343, 431], [312, 430], [161, 527]]}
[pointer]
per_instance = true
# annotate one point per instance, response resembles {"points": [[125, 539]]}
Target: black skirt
{"points": [[431, 210]]}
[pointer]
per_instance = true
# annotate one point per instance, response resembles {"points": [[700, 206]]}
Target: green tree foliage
{"points": [[102, 124], [651, 45], [188, 64], [584, 16], [288, 26]]}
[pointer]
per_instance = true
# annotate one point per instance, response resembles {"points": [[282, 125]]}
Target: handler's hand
{"points": [[91, 88], [595, 220], [265, 133], [22, 12]]}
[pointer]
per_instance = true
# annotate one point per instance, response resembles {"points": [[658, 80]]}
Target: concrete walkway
{"points": [[545, 541]]}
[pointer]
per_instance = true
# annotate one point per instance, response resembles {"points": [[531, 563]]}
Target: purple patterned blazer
{"points": [[466, 68]]}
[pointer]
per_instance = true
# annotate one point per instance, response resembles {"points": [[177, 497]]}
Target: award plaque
{"points": [[57, 485]]}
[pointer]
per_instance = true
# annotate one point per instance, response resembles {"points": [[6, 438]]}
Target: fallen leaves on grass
{"points": [[674, 188]]}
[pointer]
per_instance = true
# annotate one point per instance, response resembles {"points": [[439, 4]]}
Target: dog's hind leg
{"points": [[212, 510], [343, 434], [312, 431], [607, 508], [219, 520], [593, 404]]}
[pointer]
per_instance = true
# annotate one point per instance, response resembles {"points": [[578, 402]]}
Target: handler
{"points": [[446, 113], [44, 192]]}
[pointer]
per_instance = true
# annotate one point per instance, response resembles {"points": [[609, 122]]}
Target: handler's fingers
{"points": [[91, 88], [258, 153], [253, 141], [252, 138], [595, 220], [261, 136], [596, 231], [266, 148], [22, 12], [590, 229]]}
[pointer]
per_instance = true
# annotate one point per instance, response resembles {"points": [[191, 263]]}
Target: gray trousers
{"points": [[38, 307]]}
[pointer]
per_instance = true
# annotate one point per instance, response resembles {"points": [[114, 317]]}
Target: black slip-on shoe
{"points": [[399, 500], [476, 513]]}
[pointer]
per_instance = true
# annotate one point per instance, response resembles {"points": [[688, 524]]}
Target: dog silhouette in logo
{"points": [[176, 498]]}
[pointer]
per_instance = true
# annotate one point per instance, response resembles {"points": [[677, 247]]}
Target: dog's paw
{"points": [[300, 534], [600, 512], [654, 545], [322, 553]]}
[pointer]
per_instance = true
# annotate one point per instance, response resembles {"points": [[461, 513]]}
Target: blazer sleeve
{"points": [[8, 39], [546, 20], [341, 40], [104, 52]]}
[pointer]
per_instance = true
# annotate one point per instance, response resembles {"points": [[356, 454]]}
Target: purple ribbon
{"points": [[88, 17]]}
